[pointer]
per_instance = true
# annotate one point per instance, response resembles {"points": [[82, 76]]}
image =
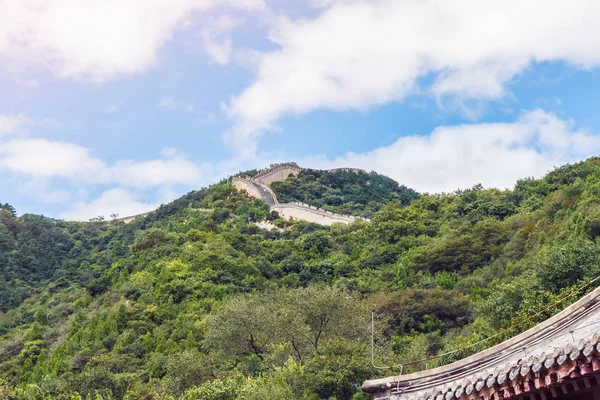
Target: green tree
{"points": [[9, 209], [567, 265]]}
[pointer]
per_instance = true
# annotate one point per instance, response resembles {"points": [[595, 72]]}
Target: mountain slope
{"points": [[343, 191], [196, 302]]}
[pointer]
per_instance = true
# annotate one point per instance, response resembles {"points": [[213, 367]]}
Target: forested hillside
{"points": [[196, 302], [344, 192]]}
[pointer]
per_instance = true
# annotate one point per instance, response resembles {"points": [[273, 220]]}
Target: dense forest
{"points": [[197, 302], [343, 192]]}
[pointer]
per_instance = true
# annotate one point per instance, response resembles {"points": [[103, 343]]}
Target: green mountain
{"points": [[195, 301], [343, 191]]}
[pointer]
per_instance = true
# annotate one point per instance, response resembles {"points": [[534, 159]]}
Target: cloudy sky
{"points": [[116, 106]]}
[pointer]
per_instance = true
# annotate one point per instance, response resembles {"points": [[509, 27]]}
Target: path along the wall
{"points": [[255, 190], [258, 187], [132, 217], [311, 214]]}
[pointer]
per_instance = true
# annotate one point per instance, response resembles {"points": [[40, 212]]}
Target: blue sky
{"points": [[113, 106]]}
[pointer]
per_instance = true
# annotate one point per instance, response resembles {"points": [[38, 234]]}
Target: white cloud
{"points": [[359, 54], [219, 52], [43, 190], [216, 43], [172, 171], [96, 40], [493, 154], [43, 158], [113, 201], [53, 172], [13, 123], [326, 3], [160, 181]]}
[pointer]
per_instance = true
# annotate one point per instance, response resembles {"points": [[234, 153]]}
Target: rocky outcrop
{"points": [[258, 187]]}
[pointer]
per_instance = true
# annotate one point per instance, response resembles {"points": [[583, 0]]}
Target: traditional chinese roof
{"points": [[562, 353]]}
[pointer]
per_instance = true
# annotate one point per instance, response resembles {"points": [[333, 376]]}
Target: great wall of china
{"points": [[258, 186]]}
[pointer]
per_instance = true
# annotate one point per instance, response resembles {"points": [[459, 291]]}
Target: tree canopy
{"points": [[345, 192]]}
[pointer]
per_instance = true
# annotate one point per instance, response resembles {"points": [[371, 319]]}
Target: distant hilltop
{"points": [[258, 186], [293, 168]]}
